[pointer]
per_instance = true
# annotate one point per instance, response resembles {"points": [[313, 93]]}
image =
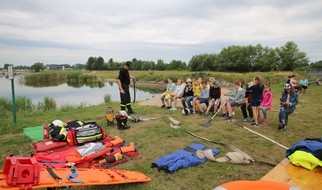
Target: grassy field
{"points": [[156, 138]]}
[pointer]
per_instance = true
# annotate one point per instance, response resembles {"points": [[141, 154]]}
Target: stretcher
{"points": [[85, 177], [25, 173]]}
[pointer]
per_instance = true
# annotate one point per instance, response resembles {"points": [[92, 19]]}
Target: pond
{"points": [[68, 94]]}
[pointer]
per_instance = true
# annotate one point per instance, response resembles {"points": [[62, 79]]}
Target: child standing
{"points": [[257, 88], [266, 103]]}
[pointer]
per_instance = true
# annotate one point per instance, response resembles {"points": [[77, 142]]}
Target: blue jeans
{"points": [[284, 113], [188, 100]]}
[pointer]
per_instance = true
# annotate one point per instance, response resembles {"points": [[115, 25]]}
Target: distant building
{"points": [[55, 67]]}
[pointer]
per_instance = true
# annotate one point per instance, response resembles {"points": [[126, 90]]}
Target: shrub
{"points": [[107, 98], [49, 104]]}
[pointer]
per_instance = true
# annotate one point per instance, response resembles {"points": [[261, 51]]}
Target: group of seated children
{"points": [[193, 93]]}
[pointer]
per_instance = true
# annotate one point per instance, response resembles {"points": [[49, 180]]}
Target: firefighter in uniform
{"points": [[123, 82]]}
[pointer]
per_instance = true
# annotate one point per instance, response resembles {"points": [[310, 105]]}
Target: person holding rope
{"points": [[289, 100], [257, 89], [123, 81]]}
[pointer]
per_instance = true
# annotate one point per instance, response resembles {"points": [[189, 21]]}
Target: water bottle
{"points": [[46, 131]]}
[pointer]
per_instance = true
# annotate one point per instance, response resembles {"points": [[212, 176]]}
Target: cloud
{"points": [[71, 31]]}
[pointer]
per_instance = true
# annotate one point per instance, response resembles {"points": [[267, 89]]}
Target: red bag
{"points": [[89, 132], [47, 145]]}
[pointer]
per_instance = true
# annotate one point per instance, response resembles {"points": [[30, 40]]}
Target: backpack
{"points": [[88, 132]]}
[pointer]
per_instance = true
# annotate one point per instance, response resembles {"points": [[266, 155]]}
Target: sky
{"points": [[70, 31]]}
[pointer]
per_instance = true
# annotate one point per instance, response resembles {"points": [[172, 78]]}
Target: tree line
{"points": [[229, 59]]}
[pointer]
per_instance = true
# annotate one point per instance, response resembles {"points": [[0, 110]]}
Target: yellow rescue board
{"points": [[295, 176], [88, 177]]}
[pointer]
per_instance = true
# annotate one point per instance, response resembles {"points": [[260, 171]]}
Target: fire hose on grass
{"points": [[175, 124]]}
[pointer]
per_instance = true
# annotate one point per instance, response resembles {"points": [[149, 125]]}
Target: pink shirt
{"points": [[267, 99]]}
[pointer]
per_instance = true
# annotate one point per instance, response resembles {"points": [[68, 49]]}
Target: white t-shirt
{"points": [[179, 89]]}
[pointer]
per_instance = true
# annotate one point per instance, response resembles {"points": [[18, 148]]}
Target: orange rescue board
{"points": [[295, 176], [88, 176]]}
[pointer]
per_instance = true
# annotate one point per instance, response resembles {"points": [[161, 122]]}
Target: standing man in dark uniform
{"points": [[123, 82]]}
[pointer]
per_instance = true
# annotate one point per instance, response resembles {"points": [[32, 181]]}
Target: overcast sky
{"points": [[70, 31]]}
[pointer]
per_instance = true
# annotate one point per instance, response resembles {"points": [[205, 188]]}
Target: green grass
{"points": [[156, 138]]}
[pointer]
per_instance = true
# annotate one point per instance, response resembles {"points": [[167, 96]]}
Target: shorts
{"points": [[166, 96], [255, 103], [203, 100], [304, 87], [233, 103]]}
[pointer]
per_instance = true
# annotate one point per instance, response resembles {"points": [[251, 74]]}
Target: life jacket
{"points": [[181, 159], [58, 158], [313, 146], [304, 159]]}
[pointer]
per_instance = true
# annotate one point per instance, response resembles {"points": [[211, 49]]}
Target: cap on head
{"points": [[188, 80], [287, 86], [216, 83], [128, 63]]}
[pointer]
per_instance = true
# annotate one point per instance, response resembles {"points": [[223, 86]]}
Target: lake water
{"points": [[67, 95]]}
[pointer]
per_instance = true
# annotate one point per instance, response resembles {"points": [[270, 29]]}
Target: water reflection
{"points": [[70, 93]]}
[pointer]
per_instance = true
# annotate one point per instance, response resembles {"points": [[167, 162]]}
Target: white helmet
{"points": [[287, 86], [57, 123]]}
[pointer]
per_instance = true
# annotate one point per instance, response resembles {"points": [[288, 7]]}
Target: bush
{"points": [[23, 103], [50, 103], [5, 103], [107, 99]]}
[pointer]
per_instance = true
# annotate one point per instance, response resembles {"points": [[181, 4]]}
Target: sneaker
{"points": [[168, 107], [193, 112], [228, 118], [224, 115], [256, 125], [253, 123], [173, 109], [281, 126], [284, 128], [205, 114], [265, 121], [163, 106], [245, 120]]}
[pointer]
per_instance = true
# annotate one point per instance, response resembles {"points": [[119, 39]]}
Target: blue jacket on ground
{"points": [[313, 146], [182, 158]]}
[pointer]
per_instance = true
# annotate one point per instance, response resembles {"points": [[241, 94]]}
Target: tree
{"points": [[37, 67], [160, 65], [316, 66], [290, 57], [90, 63], [6, 66]]}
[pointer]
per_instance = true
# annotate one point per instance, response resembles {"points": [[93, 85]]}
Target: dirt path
{"points": [[156, 100]]}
